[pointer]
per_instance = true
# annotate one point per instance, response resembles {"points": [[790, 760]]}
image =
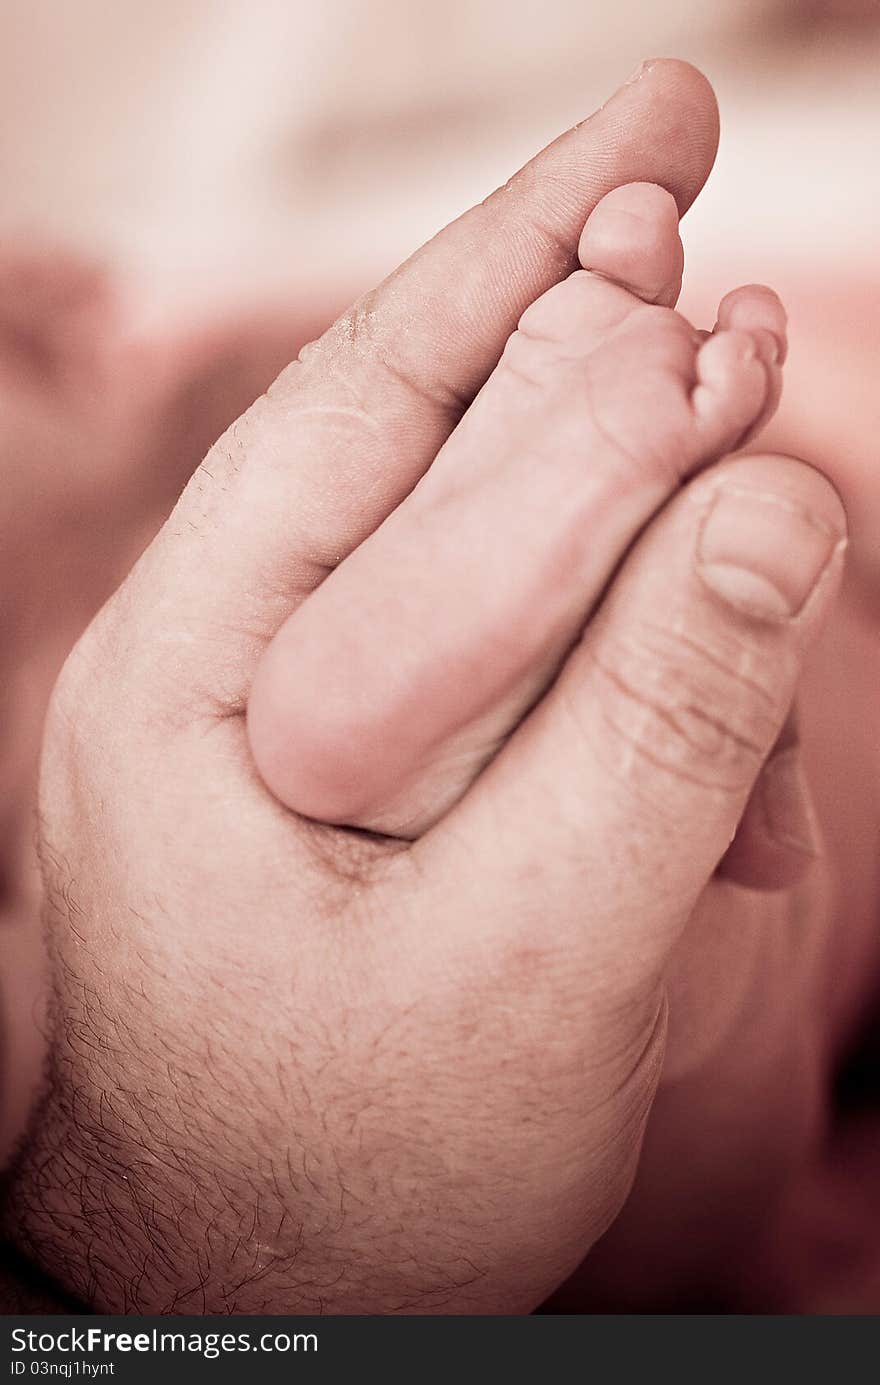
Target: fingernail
{"points": [[785, 798], [641, 71], [763, 554]]}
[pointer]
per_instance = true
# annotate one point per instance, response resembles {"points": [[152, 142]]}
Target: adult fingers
{"points": [[346, 432], [605, 816]]}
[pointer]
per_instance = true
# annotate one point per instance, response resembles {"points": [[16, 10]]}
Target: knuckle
{"points": [[698, 708], [73, 726], [556, 244], [356, 329], [99, 711]]}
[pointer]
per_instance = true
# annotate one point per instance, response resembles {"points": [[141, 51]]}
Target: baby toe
{"points": [[756, 308], [732, 389], [632, 238]]}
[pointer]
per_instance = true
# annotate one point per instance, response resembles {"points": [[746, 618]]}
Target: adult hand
{"points": [[297, 1068], [92, 404]]}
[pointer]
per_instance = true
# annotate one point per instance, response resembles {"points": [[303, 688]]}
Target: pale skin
{"points": [[297, 1068]]}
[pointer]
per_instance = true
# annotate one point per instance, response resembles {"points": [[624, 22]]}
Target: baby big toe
{"points": [[632, 239], [631, 254]]}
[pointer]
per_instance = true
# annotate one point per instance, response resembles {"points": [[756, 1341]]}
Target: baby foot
{"points": [[397, 680]]}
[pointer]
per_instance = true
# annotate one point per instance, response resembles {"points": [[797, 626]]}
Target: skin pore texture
{"points": [[295, 1067]]}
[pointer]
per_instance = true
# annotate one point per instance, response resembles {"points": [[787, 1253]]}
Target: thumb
{"points": [[616, 799]]}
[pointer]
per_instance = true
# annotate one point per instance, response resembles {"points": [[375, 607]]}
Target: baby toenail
{"points": [[763, 554], [770, 346]]}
